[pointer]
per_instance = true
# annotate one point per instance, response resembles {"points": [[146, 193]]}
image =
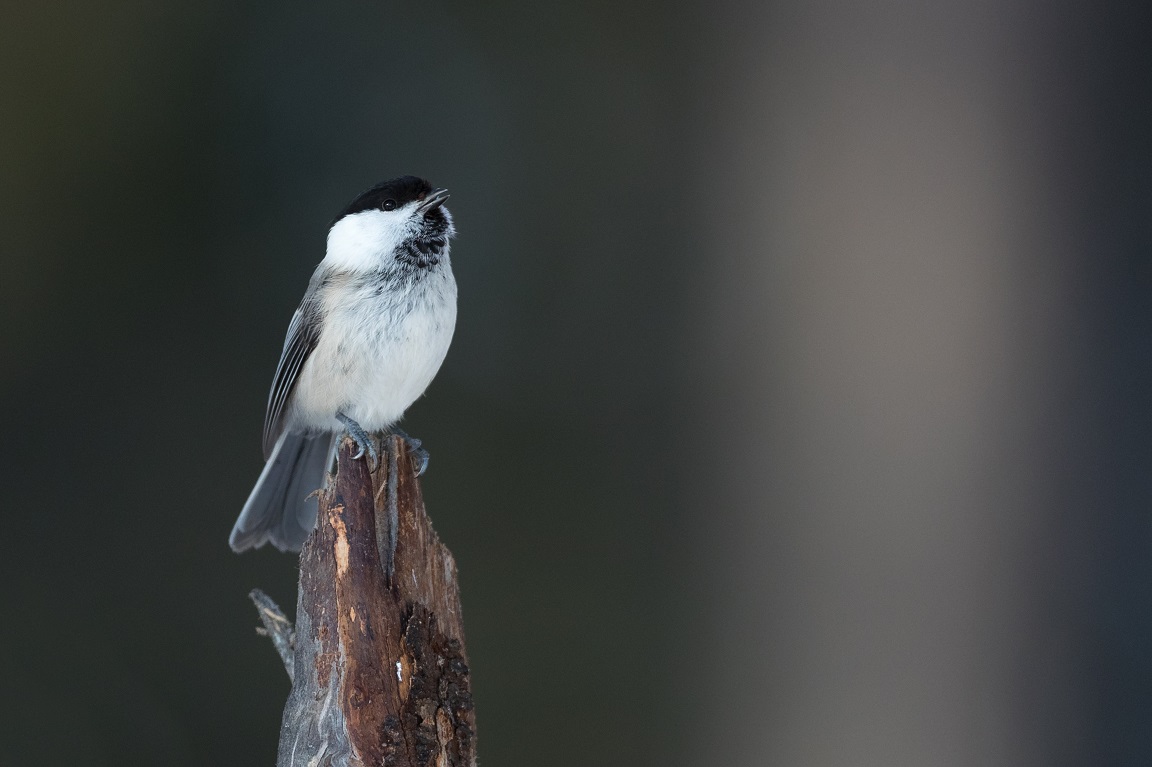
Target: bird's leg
{"points": [[362, 440], [416, 450]]}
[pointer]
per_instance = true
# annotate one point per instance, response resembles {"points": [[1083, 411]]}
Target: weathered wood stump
{"points": [[379, 673]]}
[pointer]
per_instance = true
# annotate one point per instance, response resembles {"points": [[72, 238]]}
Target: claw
{"points": [[416, 451], [421, 457], [362, 440]]}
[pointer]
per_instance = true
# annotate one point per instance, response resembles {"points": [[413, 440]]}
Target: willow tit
{"points": [[368, 338]]}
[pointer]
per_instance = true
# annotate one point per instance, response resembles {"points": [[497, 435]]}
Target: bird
{"points": [[369, 336]]}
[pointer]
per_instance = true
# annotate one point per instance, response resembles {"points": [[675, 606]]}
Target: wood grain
{"points": [[381, 676]]}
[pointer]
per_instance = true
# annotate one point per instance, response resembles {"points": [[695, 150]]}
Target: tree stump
{"points": [[379, 673]]}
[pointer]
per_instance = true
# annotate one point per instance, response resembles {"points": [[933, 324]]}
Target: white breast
{"points": [[379, 348]]}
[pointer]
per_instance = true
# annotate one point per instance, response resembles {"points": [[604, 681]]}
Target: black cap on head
{"points": [[399, 191]]}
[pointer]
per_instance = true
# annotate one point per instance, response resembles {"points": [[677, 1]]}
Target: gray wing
{"points": [[303, 334]]}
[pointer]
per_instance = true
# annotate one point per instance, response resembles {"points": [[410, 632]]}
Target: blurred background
{"points": [[798, 410]]}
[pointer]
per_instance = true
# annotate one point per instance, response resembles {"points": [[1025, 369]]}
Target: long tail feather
{"points": [[278, 510]]}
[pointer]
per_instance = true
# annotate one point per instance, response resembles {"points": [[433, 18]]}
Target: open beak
{"points": [[434, 200]]}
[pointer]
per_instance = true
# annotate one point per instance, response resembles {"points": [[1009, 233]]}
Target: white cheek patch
{"points": [[366, 240]]}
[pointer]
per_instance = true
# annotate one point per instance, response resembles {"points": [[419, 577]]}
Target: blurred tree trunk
{"points": [[889, 356], [379, 674]]}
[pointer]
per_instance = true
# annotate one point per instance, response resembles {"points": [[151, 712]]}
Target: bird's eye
{"points": [[389, 205]]}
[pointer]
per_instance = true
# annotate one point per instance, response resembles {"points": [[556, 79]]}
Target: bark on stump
{"points": [[379, 673]]}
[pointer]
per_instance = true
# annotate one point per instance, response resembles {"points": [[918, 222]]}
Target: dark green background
{"points": [[667, 447]]}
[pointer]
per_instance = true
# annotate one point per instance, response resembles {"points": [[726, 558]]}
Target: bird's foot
{"points": [[362, 439], [416, 451]]}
